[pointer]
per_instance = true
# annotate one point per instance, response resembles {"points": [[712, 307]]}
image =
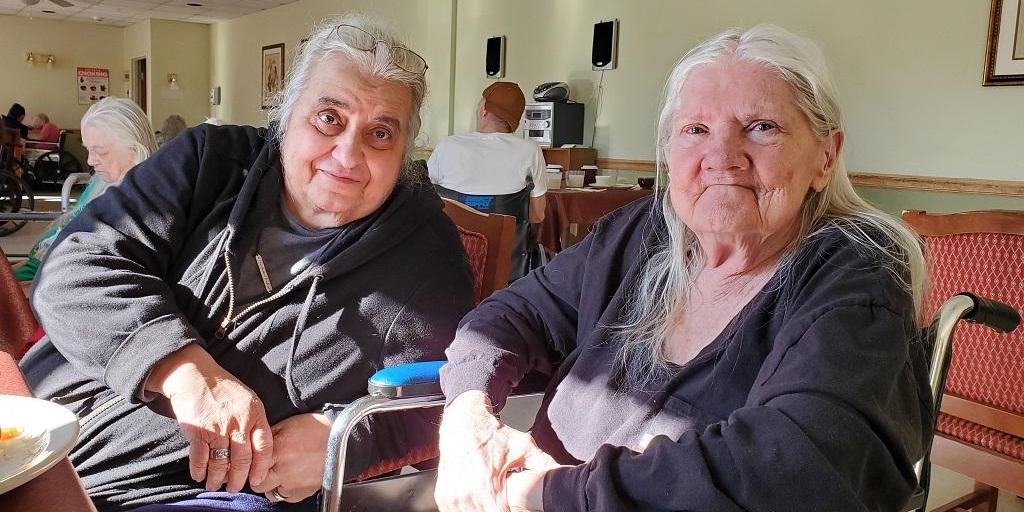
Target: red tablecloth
{"points": [[580, 207], [58, 489]]}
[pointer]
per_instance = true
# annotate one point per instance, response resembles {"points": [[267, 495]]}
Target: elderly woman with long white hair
{"points": [[117, 135], [207, 317], [744, 341]]}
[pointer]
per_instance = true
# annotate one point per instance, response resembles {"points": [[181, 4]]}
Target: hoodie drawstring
{"points": [[300, 326]]}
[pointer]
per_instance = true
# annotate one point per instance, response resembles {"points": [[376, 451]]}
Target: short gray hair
{"points": [[325, 41], [127, 123], [173, 125], [668, 276]]}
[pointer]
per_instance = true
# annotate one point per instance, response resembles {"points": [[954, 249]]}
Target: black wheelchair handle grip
{"points": [[993, 313]]}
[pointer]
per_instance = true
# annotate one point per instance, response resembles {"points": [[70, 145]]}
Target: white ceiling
{"points": [[122, 13]]}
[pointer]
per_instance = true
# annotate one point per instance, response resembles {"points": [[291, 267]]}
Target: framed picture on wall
{"points": [[271, 75], [1004, 55]]}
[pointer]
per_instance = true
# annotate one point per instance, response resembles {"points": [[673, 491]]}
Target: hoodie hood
{"points": [[410, 205]]}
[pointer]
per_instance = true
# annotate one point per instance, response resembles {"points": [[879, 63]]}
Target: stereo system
{"points": [[552, 124]]}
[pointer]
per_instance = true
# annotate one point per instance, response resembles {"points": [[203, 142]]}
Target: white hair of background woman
{"points": [[126, 123], [673, 268], [326, 41]]}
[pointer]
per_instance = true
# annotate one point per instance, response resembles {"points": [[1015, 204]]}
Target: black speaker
{"points": [[495, 65], [604, 53]]}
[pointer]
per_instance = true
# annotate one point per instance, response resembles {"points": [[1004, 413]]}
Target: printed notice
{"points": [[93, 85]]}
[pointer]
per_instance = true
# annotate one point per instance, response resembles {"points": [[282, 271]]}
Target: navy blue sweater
{"points": [[813, 398]]}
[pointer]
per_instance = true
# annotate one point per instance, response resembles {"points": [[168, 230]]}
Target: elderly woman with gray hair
{"points": [[117, 135], [744, 341], [241, 281]]}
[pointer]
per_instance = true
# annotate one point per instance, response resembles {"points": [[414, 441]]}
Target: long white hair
{"points": [[668, 277], [129, 127]]}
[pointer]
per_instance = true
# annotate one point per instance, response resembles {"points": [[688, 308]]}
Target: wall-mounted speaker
{"points": [[604, 53], [495, 63]]}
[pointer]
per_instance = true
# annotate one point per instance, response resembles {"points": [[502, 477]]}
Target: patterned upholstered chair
{"points": [[489, 240], [980, 431]]}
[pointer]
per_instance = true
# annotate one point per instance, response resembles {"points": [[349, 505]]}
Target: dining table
{"points": [[59, 488], [570, 212]]}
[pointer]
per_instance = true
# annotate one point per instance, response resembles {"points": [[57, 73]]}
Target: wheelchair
{"points": [[47, 163], [417, 385], [15, 193]]}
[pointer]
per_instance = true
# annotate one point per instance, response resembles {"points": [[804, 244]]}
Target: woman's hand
{"points": [[476, 453], [215, 411], [524, 491], [300, 449]]}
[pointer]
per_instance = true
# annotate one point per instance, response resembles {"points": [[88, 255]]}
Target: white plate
{"points": [[49, 431]]}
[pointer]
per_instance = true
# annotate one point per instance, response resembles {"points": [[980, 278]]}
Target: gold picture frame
{"points": [[271, 75], [1004, 53]]}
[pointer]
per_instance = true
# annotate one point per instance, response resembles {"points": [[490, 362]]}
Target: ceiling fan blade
{"points": [[63, 3], [30, 2]]}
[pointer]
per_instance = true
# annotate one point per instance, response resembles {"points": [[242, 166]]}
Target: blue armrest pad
{"points": [[405, 380]]}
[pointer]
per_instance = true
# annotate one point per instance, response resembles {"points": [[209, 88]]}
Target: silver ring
{"points": [[220, 453], [277, 494]]}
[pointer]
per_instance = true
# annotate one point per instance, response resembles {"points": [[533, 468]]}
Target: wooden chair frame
{"points": [[500, 231], [991, 471]]}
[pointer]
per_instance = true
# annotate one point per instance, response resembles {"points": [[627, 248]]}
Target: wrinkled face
{"points": [[742, 156], [342, 151], [110, 158], [37, 122]]}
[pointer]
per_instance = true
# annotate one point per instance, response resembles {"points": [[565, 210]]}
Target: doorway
{"points": [[139, 86]]}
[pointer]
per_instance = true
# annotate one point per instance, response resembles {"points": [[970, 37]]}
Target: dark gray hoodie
{"points": [[146, 269]]}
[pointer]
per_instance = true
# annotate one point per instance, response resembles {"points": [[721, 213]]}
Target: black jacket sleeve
{"points": [[421, 331], [100, 295], [518, 329], [833, 423]]}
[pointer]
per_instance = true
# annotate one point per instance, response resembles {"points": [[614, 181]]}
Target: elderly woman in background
{"points": [[204, 316], [173, 125], [117, 135], [43, 130], [745, 341]]}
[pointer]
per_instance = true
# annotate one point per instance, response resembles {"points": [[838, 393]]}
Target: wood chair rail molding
{"points": [[861, 179], [879, 180]]}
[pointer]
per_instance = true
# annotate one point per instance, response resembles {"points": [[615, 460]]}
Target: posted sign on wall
{"points": [[93, 85]]}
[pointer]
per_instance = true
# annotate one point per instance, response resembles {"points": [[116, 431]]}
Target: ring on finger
{"points": [[220, 453], [276, 494]]}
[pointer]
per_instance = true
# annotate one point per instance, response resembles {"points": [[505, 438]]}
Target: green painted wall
{"points": [[894, 201]]}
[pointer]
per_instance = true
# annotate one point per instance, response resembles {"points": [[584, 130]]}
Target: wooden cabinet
{"points": [[570, 158]]}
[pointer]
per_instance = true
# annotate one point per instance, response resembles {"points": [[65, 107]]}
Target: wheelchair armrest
{"points": [[397, 388], [407, 380], [69, 183]]}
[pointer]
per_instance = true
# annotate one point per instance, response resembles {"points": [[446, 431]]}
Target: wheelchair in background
{"points": [[417, 385], [48, 163]]}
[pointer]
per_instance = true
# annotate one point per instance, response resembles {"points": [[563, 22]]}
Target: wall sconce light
{"points": [[31, 59], [172, 82]]}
